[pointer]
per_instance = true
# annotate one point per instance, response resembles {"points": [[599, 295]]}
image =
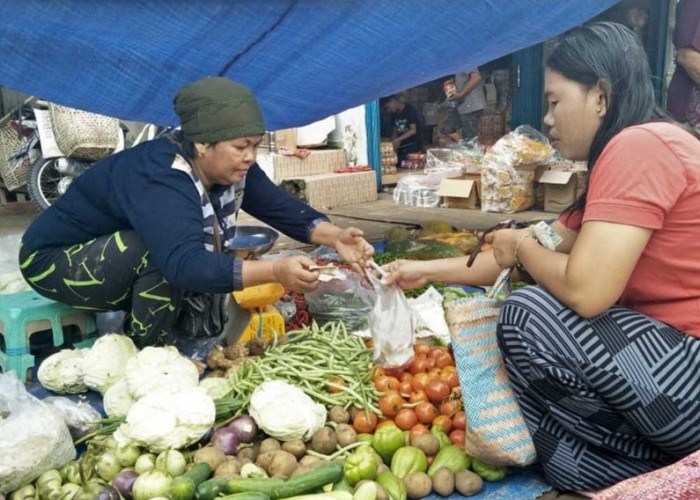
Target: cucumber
{"points": [[304, 483], [210, 489], [248, 495], [185, 487], [199, 473]]}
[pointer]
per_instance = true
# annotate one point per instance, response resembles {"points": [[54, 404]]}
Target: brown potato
{"points": [[283, 464], [264, 459], [426, 442], [418, 485], [230, 469], [324, 441], [339, 415], [443, 481], [269, 444], [346, 435], [210, 455], [296, 448], [468, 483]]}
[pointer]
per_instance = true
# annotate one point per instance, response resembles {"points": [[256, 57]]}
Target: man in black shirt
{"points": [[404, 120]]}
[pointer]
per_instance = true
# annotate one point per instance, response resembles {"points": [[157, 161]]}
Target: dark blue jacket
{"points": [[137, 189]]}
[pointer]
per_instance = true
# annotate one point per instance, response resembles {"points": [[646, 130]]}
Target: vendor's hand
{"points": [[293, 272], [353, 248], [406, 273], [504, 242]]}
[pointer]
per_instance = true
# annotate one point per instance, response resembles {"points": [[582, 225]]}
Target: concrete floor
{"points": [[374, 218]]}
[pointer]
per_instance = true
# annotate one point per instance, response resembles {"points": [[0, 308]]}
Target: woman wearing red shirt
{"points": [[604, 353]]}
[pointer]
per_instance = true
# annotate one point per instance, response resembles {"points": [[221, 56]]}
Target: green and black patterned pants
{"points": [[109, 273]]}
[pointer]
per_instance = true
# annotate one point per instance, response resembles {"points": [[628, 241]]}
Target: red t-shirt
{"points": [[649, 176]]}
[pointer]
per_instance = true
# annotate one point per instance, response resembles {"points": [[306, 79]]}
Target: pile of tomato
{"points": [[420, 396]]}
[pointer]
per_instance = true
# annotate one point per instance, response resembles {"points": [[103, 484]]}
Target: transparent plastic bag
{"points": [[455, 160], [79, 416], [345, 297], [391, 324], [33, 438], [418, 191], [508, 170]]}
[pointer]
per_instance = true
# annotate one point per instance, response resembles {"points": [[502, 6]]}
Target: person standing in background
{"points": [[471, 101], [404, 119], [684, 91]]}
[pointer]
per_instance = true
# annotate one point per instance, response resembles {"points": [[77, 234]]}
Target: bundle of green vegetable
{"points": [[330, 365]]}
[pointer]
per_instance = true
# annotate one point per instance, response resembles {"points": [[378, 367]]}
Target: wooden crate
{"points": [[326, 191]]}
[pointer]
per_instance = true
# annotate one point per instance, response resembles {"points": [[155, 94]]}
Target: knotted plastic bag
{"points": [[391, 325], [33, 439]]}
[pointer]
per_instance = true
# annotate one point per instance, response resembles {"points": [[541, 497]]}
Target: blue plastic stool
{"points": [[24, 313]]}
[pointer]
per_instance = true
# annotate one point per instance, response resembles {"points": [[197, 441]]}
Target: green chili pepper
{"points": [[394, 487], [408, 459], [360, 465], [452, 457], [443, 438], [488, 472], [387, 440]]}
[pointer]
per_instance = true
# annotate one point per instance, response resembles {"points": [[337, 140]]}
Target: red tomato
{"points": [[416, 430], [459, 421], [365, 422], [437, 390], [390, 403], [443, 421], [437, 351], [420, 364], [457, 438], [392, 384], [405, 388], [426, 412], [420, 380], [405, 419], [444, 360], [419, 349], [384, 423], [448, 407], [417, 397], [378, 372], [451, 378]]}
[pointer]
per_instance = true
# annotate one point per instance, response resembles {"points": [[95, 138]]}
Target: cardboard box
{"points": [[476, 177], [459, 193], [286, 138], [333, 190], [559, 189], [321, 161]]}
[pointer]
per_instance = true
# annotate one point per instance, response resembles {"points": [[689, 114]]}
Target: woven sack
{"points": [[14, 173], [496, 432], [84, 135]]}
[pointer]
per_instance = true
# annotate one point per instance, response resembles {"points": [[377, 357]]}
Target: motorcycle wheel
{"points": [[43, 182]]}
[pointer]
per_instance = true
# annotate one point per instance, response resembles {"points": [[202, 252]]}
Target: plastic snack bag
{"points": [[391, 324]]}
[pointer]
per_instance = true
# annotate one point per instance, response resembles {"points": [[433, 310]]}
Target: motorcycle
{"points": [[60, 144]]}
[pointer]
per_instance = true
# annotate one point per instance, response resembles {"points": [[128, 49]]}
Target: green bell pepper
{"points": [[360, 465], [443, 438], [488, 472], [387, 440], [452, 457], [408, 459], [394, 487]]}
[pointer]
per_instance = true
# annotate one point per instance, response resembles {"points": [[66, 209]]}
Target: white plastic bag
{"points": [[33, 439], [11, 279], [391, 324]]}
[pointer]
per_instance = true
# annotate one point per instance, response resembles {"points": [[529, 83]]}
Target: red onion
{"points": [[244, 427], [124, 481], [225, 440]]}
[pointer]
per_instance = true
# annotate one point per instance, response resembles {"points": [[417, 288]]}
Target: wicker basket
{"points": [[81, 134], [14, 173]]}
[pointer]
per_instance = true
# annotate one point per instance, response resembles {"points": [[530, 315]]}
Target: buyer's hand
{"points": [[406, 273], [353, 248], [504, 242], [293, 272]]}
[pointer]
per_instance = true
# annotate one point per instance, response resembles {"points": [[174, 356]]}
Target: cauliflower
{"points": [[117, 400], [104, 363], [164, 420], [159, 369], [216, 387], [285, 412], [62, 372]]}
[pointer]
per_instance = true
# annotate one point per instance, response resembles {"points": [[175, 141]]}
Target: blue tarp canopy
{"points": [[304, 59]]}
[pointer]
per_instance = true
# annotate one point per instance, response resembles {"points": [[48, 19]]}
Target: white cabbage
{"points": [[117, 400], [159, 369], [285, 412], [164, 420], [216, 387], [62, 372], [105, 362]]}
